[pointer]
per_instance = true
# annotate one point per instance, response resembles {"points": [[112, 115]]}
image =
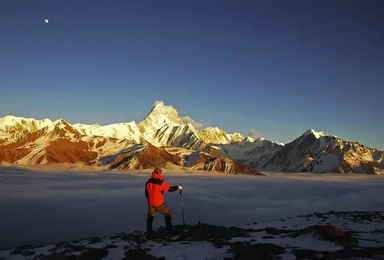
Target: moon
{"points": [[46, 20]]}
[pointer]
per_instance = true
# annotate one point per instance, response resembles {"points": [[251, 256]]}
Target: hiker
{"points": [[154, 190]]}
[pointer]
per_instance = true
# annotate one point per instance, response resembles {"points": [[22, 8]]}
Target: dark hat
{"points": [[158, 170]]}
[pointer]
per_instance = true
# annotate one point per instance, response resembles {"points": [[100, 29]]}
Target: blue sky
{"points": [[280, 67]]}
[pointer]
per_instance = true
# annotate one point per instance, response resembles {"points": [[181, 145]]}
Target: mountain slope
{"points": [[30, 141], [214, 135], [15, 128], [185, 136], [142, 156], [318, 152], [56, 143], [224, 165], [251, 151], [129, 131], [159, 116], [61, 142]]}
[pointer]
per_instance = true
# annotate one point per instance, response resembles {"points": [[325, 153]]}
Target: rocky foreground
{"points": [[331, 235]]}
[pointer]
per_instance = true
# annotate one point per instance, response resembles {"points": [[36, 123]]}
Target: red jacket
{"points": [[154, 190]]}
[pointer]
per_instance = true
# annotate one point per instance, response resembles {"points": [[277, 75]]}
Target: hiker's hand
{"points": [[180, 188]]}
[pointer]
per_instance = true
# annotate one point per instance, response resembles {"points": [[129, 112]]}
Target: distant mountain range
{"points": [[163, 138]]}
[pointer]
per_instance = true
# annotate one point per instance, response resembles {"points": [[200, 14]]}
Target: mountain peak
{"points": [[260, 139], [236, 137], [159, 116], [10, 117], [60, 121], [63, 129], [248, 139], [159, 105], [314, 133], [11, 124]]}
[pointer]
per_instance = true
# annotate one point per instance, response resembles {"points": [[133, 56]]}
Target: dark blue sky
{"points": [[280, 67]]}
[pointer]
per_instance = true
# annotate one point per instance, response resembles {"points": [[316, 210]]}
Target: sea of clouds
{"points": [[52, 206]]}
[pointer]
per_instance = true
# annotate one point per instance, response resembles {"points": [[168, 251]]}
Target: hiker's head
{"points": [[158, 170]]}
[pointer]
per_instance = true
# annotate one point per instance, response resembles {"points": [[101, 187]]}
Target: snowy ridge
{"points": [[314, 152], [235, 137], [185, 136], [224, 165], [61, 128], [317, 135], [247, 139], [214, 135], [15, 128], [117, 146], [128, 131], [30, 141], [159, 116], [13, 123], [250, 150]]}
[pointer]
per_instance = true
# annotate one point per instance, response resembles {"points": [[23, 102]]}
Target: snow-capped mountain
{"points": [[214, 135], [57, 142], [129, 131], [159, 116], [141, 156], [14, 128], [262, 151], [223, 164], [184, 135], [163, 126], [117, 146], [251, 151], [163, 138], [318, 152]]}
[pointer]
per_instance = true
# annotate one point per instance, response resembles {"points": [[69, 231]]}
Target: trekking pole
{"points": [[182, 206]]}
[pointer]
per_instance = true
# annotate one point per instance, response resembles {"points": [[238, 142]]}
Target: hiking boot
{"points": [[168, 224], [149, 223]]}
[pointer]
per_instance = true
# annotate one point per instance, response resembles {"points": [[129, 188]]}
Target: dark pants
{"points": [[162, 209]]}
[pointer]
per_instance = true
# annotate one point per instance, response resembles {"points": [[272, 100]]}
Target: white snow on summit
{"points": [[128, 131], [316, 134]]}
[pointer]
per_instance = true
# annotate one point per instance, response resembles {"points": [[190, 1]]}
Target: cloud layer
{"points": [[254, 133], [49, 207], [188, 120]]}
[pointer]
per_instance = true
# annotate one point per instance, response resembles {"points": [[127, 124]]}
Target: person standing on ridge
{"points": [[154, 190]]}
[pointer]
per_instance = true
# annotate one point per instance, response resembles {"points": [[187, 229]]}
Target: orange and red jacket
{"points": [[154, 190]]}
